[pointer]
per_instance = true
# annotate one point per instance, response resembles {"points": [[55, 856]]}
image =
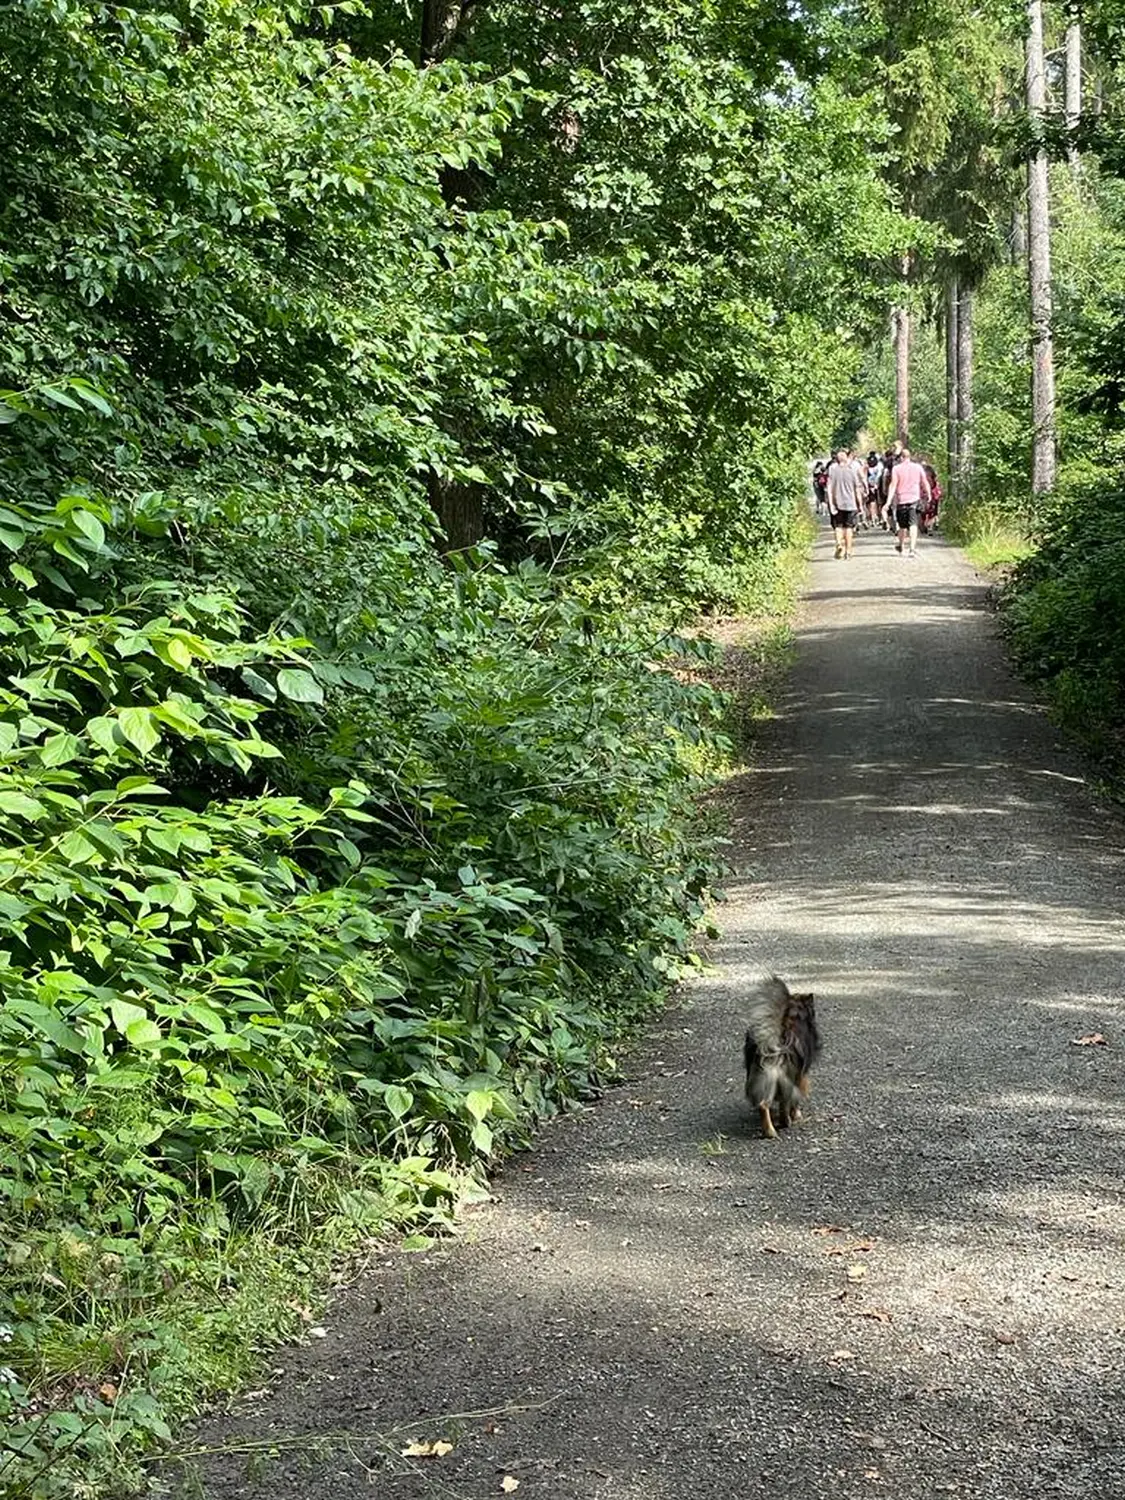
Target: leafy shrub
{"points": [[1061, 611], [278, 916]]}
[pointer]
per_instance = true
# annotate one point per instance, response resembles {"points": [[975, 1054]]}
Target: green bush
{"points": [[278, 916], [1061, 610]]}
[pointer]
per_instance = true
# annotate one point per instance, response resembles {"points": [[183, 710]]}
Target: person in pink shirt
{"points": [[907, 488]]}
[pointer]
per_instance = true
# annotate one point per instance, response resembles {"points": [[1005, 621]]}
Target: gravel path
{"points": [[918, 1292]]}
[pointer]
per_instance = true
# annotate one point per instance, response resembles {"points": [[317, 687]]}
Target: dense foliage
{"points": [[328, 864], [374, 415]]}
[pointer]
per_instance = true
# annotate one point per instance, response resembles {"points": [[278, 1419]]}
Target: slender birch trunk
{"points": [[1073, 91], [1039, 268], [952, 401], [964, 392]]}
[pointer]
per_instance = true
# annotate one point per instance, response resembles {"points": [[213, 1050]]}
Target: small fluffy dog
{"points": [[781, 1045]]}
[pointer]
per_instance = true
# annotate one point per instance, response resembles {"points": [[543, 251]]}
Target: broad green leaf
{"points": [[138, 728], [143, 1033], [59, 397], [76, 848], [92, 396], [89, 525], [479, 1103], [268, 1117], [166, 839], [259, 685], [177, 718], [106, 733], [178, 653], [19, 805], [64, 548], [302, 687], [58, 749], [398, 1100], [123, 1013]]}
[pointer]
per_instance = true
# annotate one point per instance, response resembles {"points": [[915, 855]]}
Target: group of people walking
{"points": [[863, 496]]}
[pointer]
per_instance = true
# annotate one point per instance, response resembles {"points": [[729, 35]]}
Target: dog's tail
{"points": [[780, 1027]]}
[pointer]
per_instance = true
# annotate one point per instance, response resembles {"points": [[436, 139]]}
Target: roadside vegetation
{"points": [[373, 432], [393, 398]]}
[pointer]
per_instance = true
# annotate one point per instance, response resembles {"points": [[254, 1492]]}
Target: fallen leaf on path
{"points": [[1003, 1338], [829, 1229], [437, 1449], [862, 1246], [877, 1314], [508, 1484], [857, 1273], [1092, 1039]]}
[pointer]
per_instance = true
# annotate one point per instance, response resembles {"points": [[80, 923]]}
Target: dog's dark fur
{"points": [[782, 1042]]}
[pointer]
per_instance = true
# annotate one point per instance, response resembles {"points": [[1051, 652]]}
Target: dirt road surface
{"points": [[917, 1292]]}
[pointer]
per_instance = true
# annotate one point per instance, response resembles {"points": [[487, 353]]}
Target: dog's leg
{"points": [[801, 1091], [767, 1124]]}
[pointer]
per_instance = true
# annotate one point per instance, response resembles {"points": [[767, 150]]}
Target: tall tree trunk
{"points": [[460, 510], [1019, 234], [964, 392], [1073, 90], [952, 402], [441, 21], [1039, 267], [459, 507], [901, 327], [902, 373]]}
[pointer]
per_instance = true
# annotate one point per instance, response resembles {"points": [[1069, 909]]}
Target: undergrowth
{"points": [[991, 538], [299, 938], [1061, 611]]}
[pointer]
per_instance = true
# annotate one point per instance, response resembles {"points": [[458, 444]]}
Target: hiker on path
{"points": [[928, 515], [845, 489], [909, 485], [874, 478], [890, 458], [820, 484]]}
